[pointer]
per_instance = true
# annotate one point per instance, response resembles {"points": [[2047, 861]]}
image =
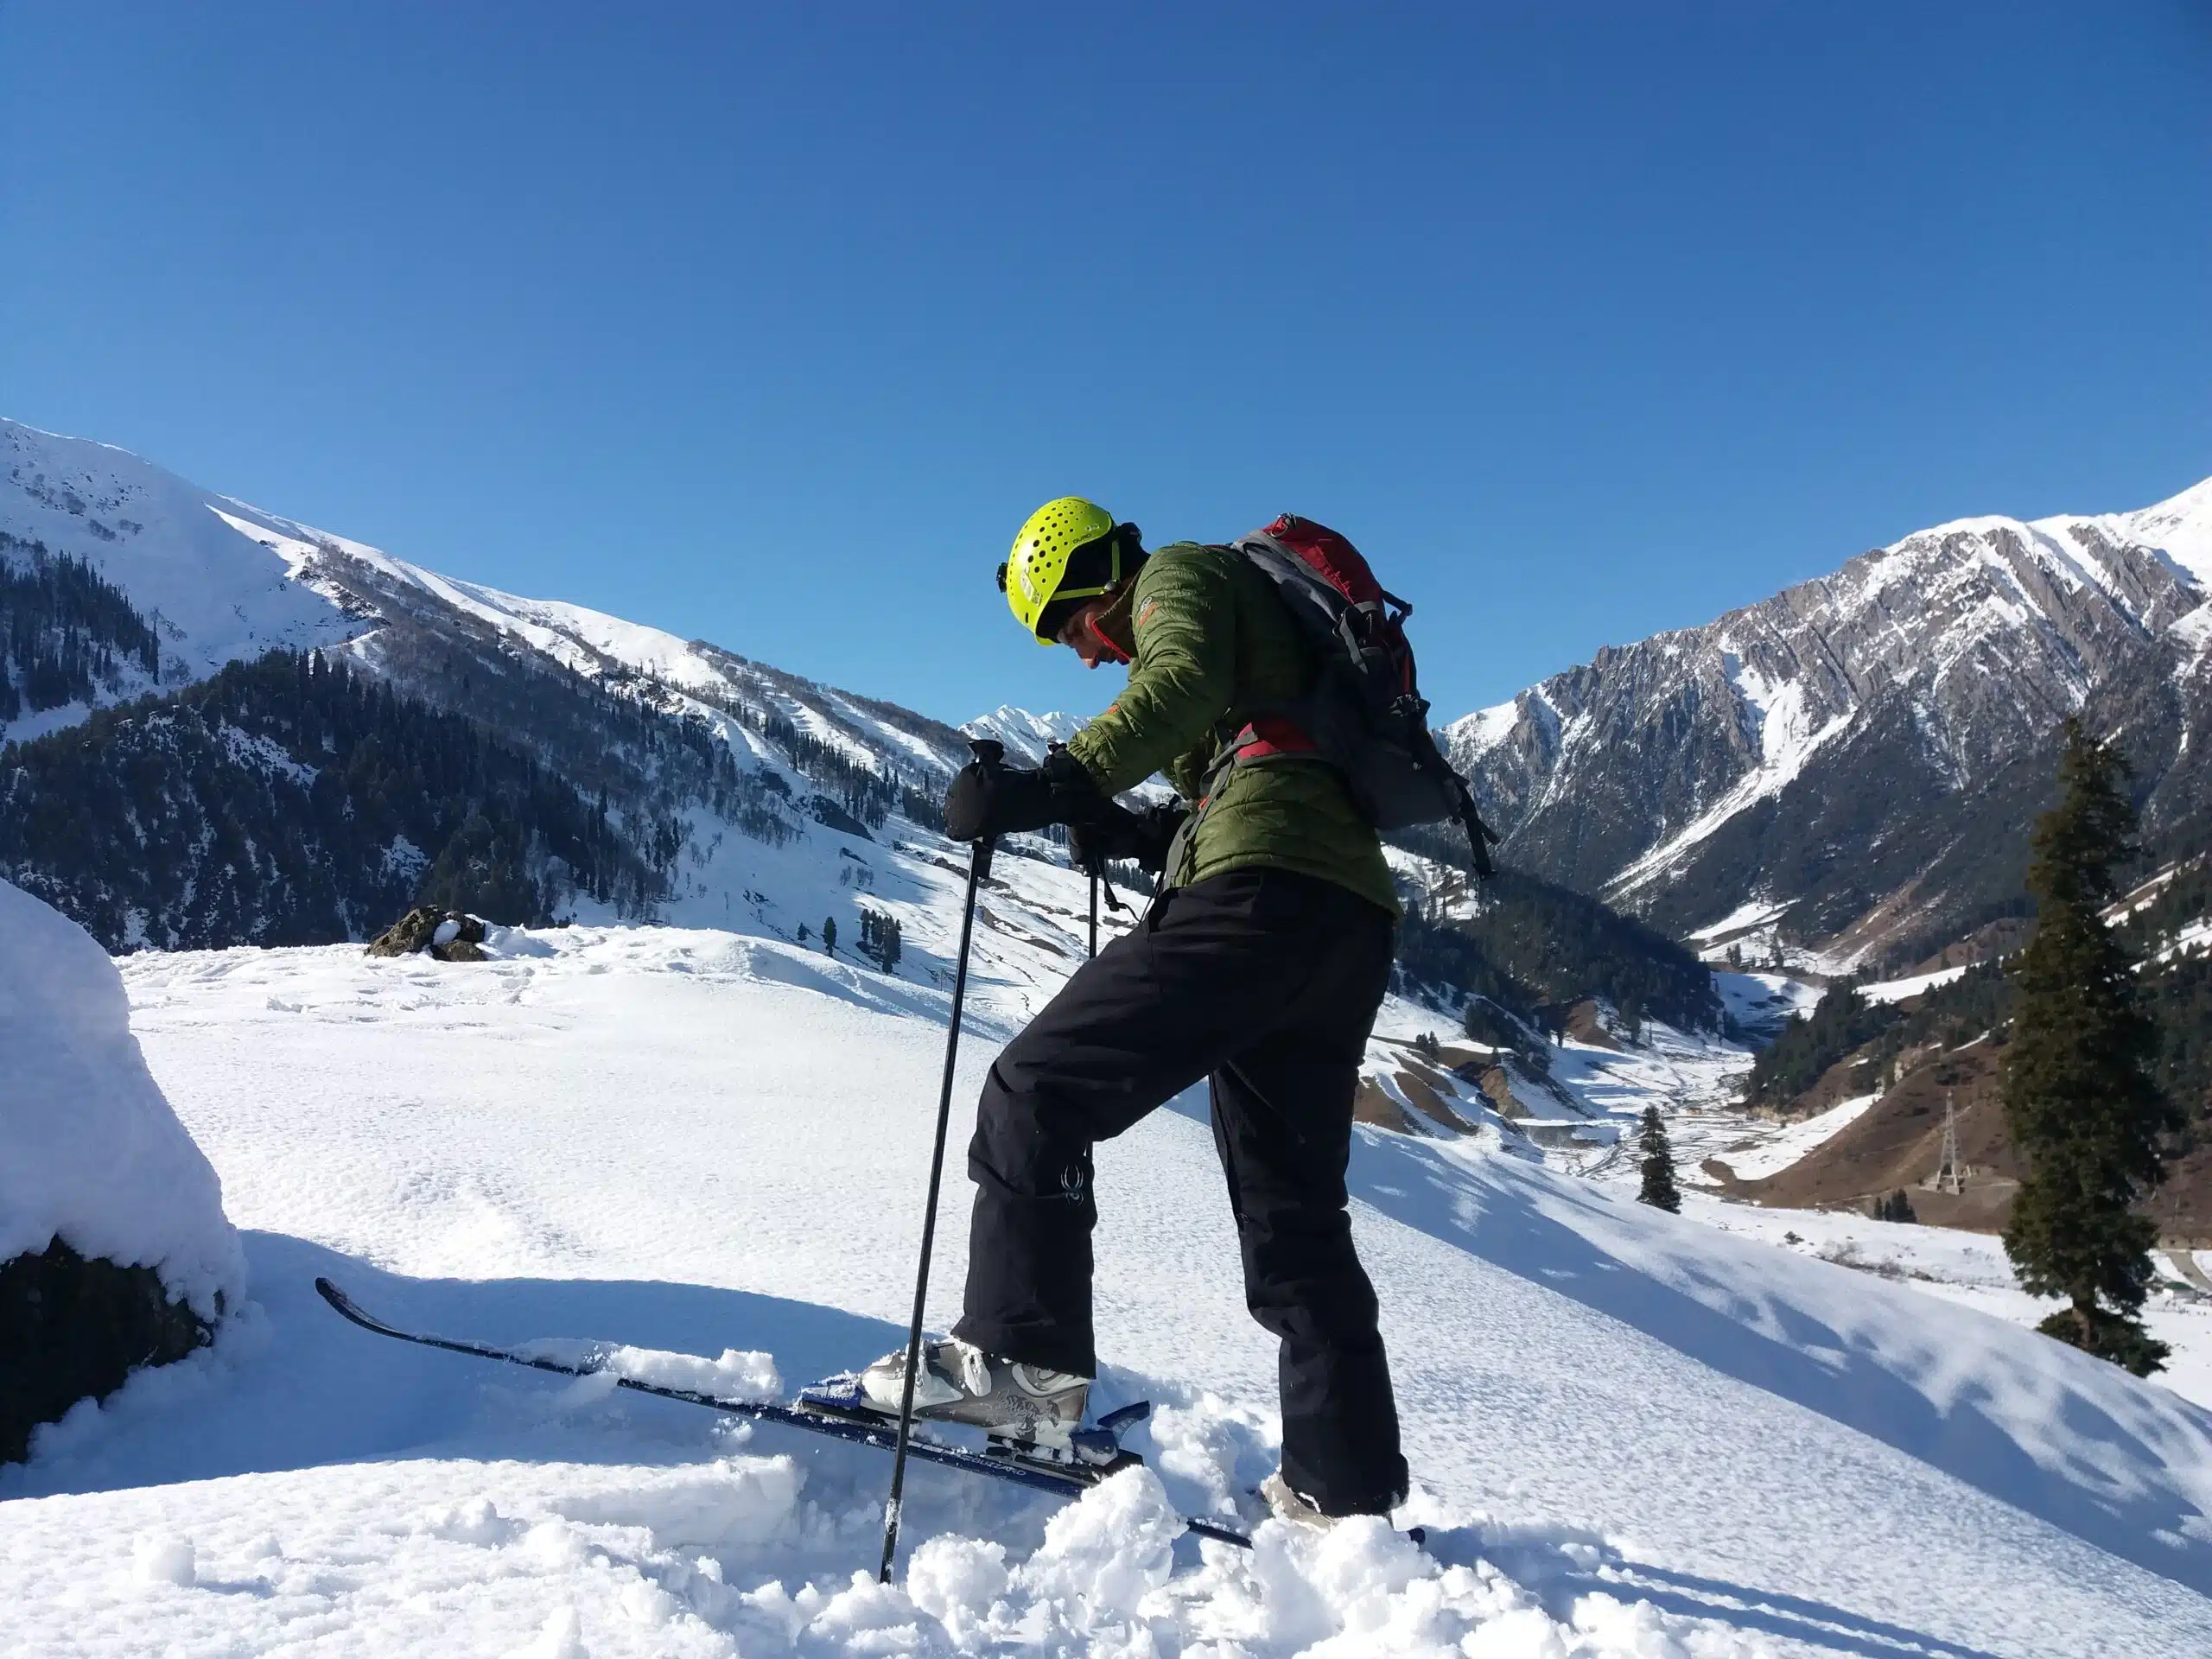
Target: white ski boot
{"points": [[1031, 1411], [1288, 1504]]}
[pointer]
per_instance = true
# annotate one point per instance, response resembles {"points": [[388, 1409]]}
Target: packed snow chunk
{"points": [[960, 1582], [1359, 1589], [866, 1617], [731, 1504], [1111, 1549], [738, 1375], [561, 1636], [90, 1152], [164, 1558], [476, 1522]]}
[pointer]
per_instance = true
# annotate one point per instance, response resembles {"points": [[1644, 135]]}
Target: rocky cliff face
{"points": [[1805, 760]]}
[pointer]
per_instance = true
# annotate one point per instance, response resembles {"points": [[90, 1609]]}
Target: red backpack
{"points": [[1364, 714]]}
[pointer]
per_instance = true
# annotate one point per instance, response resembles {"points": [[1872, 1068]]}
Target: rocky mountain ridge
{"points": [[1804, 764]]}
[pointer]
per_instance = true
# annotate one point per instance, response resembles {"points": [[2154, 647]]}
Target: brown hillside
{"points": [[1895, 1143]]}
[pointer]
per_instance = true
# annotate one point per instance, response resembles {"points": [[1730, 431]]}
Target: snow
{"points": [[749, 1375], [1476, 734], [2193, 634], [1752, 914], [1634, 1434], [1775, 1152], [1970, 1270], [1761, 999], [1787, 737], [2190, 936], [1896, 990], [93, 1153], [213, 594], [2180, 526]]}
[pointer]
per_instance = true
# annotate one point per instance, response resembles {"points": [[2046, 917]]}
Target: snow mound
{"points": [[736, 1376], [93, 1152]]}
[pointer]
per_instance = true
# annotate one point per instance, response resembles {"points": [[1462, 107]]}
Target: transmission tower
{"points": [[1950, 1173]]}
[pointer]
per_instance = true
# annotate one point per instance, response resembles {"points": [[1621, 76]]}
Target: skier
{"points": [[1260, 966]]}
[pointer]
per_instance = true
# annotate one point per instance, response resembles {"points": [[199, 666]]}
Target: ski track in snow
{"points": [[1635, 1434]]}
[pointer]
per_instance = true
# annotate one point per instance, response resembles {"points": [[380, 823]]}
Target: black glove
{"points": [[1141, 838], [988, 800]]}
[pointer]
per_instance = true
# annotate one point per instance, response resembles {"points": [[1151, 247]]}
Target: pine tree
{"points": [[2085, 1109], [829, 936], [1659, 1189]]}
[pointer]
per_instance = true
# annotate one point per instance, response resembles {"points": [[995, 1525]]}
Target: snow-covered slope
{"points": [[90, 1152], [1634, 1435], [212, 595], [1927, 665]]}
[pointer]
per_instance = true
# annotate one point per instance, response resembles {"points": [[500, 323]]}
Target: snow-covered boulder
{"points": [[114, 1248]]}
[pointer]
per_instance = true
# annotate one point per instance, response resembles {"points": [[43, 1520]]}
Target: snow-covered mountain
{"points": [[229, 581], [758, 795], [1027, 735], [1749, 769]]}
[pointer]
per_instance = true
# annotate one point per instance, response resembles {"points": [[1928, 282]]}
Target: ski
{"points": [[1070, 1480]]}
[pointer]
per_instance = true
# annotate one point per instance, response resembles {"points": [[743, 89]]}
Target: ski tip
{"points": [[343, 1305]]}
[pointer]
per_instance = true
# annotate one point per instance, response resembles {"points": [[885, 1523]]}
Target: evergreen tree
{"points": [[829, 936], [2085, 1109], [880, 940], [1659, 1189]]}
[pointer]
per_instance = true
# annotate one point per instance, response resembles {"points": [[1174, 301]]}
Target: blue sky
{"points": [[770, 325]]}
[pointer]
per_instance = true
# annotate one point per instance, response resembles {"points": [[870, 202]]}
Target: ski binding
{"points": [[1093, 1451]]}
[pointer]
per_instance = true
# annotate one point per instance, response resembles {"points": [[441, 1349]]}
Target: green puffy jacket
{"points": [[1212, 641]]}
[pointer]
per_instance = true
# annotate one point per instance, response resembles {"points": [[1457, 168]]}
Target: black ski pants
{"points": [[1267, 983]]}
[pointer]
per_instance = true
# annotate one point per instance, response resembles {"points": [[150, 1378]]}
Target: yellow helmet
{"points": [[1056, 533]]}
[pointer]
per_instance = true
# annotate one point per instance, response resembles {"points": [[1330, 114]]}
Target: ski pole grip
{"points": [[990, 754]]}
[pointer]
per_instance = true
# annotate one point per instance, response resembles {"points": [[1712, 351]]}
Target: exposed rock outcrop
{"points": [[114, 1250], [446, 934], [72, 1327]]}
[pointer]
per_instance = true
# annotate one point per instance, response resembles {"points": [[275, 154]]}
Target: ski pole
{"points": [[1094, 912], [979, 866]]}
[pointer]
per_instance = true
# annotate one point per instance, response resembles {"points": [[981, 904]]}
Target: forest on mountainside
{"points": [[2176, 992], [623, 737], [1531, 943], [65, 632], [293, 800]]}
